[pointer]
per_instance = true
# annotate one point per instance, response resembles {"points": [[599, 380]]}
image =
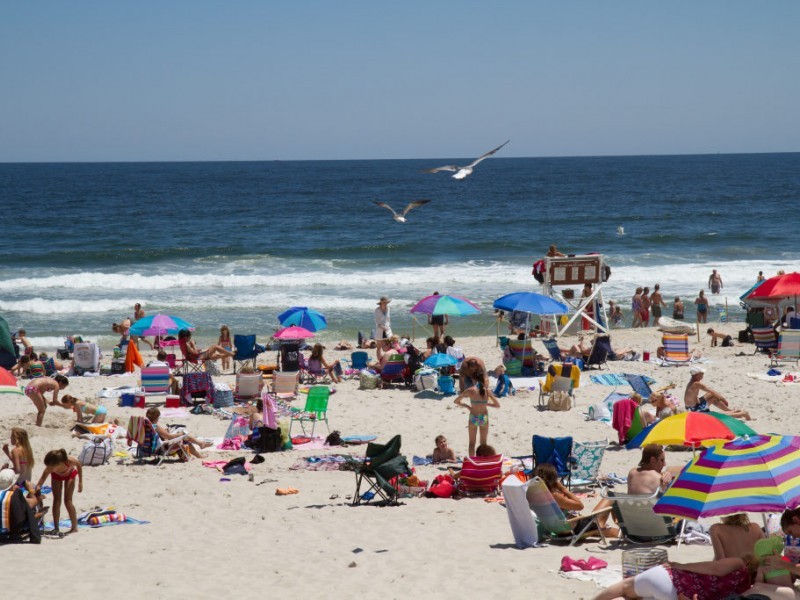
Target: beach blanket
{"points": [[323, 463], [83, 521], [116, 392], [602, 577], [615, 379], [785, 378], [170, 413]]}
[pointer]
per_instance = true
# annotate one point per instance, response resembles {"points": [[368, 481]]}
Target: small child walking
{"points": [[63, 470], [21, 455]]}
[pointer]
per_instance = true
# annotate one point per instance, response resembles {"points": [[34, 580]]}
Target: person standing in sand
{"points": [[715, 282], [36, 390], [702, 307], [480, 399], [657, 303], [677, 309], [696, 403], [646, 307], [636, 308], [383, 319]]}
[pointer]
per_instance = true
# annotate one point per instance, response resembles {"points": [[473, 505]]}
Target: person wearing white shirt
{"points": [[383, 325]]}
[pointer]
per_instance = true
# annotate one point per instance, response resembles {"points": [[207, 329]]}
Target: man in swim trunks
{"points": [[656, 303], [715, 282], [696, 403]]}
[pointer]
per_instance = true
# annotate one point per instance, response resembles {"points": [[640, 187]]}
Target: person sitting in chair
{"points": [[193, 354]]}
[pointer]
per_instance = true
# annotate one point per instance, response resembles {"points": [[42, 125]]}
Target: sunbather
{"points": [[696, 403], [189, 442], [651, 474], [317, 364], [442, 452], [734, 536]]}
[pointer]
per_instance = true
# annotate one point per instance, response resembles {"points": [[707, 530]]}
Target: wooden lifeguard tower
{"points": [[570, 271]]}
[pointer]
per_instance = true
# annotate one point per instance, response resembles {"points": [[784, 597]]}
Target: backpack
{"points": [[96, 451], [559, 400]]}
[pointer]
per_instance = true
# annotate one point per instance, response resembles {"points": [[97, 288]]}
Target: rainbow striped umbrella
{"points": [[758, 474], [691, 429], [8, 383]]}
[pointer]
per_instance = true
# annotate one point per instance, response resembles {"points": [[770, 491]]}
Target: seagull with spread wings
{"points": [[401, 218], [463, 172]]}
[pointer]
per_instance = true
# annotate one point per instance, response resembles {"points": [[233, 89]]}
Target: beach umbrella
{"points": [[531, 302], [8, 383], [293, 333], [776, 288], [159, 325], [453, 306], [691, 429], [758, 474], [437, 361], [304, 317]]}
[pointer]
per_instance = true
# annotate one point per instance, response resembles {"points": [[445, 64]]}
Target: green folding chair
{"points": [[315, 410]]}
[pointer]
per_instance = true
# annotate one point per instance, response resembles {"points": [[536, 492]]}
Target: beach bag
{"points": [[599, 412], [425, 379], [559, 400], [96, 451], [369, 381], [264, 439], [223, 395], [745, 337], [442, 486]]}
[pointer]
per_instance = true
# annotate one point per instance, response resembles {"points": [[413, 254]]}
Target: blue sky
{"points": [[197, 80]]}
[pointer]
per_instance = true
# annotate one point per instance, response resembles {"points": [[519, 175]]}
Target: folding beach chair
{"points": [[359, 360], [765, 339], [284, 383], [381, 467], [598, 355], [446, 385], [248, 386], [315, 410], [394, 370], [638, 524], [480, 475], [247, 351], [155, 381], [197, 385], [586, 460], [788, 348], [148, 443], [312, 371], [552, 522], [639, 385], [551, 344], [523, 350], [563, 377], [676, 349], [554, 450]]}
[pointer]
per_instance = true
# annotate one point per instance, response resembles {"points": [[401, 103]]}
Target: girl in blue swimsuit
{"points": [[480, 399]]}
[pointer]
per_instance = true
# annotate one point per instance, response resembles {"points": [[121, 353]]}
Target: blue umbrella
{"points": [[302, 316], [531, 302], [159, 325], [437, 361]]}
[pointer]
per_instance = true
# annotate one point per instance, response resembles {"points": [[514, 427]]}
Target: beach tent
{"points": [[8, 351]]}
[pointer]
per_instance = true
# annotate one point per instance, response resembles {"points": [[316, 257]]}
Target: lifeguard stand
{"points": [[578, 271]]}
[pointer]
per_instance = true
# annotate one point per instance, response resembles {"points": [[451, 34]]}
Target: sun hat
{"points": [[384, 299], [7, 479], [696, 370]]}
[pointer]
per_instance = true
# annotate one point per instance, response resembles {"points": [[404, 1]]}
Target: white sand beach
{"points": [[207, 537]]}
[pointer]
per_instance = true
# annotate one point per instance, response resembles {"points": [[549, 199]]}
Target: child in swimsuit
{"points": [[21, 455], [63, 470], [225, 342], [36, 390], [480, 399], [85, 412]]}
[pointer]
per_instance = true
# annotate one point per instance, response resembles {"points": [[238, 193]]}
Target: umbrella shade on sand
{"points": [[758, 474], [438, 304], [159, 325], [437, 361], [531, 302], [293, 333], [304, 317], [8, 383], [776, 288], [691, 429]]}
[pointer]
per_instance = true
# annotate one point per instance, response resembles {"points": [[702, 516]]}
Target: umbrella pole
{"points": [[497, 332]]}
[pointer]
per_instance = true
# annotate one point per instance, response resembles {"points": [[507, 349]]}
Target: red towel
{"points": [[623, 417]]}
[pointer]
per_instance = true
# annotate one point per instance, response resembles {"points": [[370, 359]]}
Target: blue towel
{"points": [[773, 372], [615, 379], [421, 461]]}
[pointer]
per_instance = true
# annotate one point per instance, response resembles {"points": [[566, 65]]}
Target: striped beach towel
{"points": [[615, 379]]}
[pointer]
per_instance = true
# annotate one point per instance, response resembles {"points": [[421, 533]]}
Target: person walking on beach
{"points": [[383, 319], [657, 303], [480, 399], [36, 390], [677, 309], [715, 282], [636, 308], [702, 307], [646, 307]]}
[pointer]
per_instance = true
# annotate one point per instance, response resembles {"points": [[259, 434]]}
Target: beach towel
{"points": [[615, 379], [116, 392], [623, 417], [602, 577], [324, 463], [94, 519], [133, 359]]}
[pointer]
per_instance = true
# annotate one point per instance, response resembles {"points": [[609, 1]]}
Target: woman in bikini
{"points": [[36, 390], [226, 342], [63, 470], [85, 412], [480, 399], [193, 354], [21, 455]]}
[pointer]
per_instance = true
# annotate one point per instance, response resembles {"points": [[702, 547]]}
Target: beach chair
{"points": [[18, 523], [284, 383], [359, 360], [379, 471], [149, 444], [155, 381], [312, 371], [315, 410], [586, 460], [564, 377], [248, 386], [765, 339], [247, 351], [551, 520], [554, 450], [788, 348], [289, 356], [86, 358], [551, 345], [197, 385], [639, 385], [480, 475], [676, 349], [638, 524], [523, 350], [598, 355], [394, 370]]}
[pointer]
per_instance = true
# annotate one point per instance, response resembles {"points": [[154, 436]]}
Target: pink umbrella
{"points": [[293, 333]]}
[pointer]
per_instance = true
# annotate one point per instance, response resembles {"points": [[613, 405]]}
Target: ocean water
{"points": [[239, 242]]}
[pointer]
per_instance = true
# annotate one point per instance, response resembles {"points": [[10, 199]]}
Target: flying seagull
{"points": [[401, 218], [462, 172]]}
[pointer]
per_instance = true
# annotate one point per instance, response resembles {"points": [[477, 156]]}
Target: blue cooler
{"points": [[127, 400]]}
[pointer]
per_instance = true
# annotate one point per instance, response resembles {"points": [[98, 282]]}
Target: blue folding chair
{"points": [[552, 349], [247, 350], [554, 450], [639, 385], [359, 360]]}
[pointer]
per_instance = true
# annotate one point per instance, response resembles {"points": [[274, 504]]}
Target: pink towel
{"points": [[234, 443], [623, 417], [269, 411]]}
